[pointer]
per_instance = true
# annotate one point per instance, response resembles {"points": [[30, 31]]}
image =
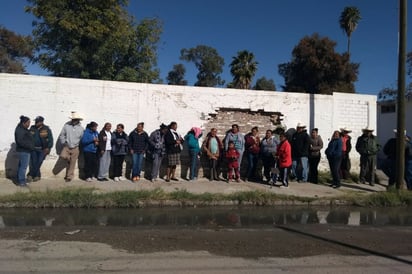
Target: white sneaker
{"points": [[121, 178], [116, 179], [88, 179], [94, 178]]}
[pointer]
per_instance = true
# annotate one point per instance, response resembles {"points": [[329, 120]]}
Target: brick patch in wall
{"points": [[223, 120]]}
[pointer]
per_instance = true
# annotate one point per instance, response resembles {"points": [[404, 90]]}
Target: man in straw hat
{"points": [[367, 146], [70, 138], [346, 148]]}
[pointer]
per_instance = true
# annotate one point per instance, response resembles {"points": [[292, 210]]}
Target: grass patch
{"points": [[89, 198]]}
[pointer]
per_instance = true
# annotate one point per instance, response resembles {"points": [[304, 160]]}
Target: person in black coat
{"points": [[300, 143], [24, 146]]}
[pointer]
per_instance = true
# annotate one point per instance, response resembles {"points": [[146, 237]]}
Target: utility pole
{"points": [[400, 141]]}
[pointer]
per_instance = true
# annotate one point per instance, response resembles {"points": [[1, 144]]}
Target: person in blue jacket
{"points": [[334, 155], [192, 140], [90, 142]]}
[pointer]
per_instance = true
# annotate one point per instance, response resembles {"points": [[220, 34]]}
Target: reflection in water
{"points": [[204, 217]]}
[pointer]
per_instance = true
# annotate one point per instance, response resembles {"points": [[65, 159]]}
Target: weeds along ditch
{"points": [[91, 198]]}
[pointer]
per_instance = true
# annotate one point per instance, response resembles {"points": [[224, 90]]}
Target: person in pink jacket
{"points": [[284, 158]]}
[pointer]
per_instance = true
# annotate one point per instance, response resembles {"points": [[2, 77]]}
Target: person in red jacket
{"points": [[252, 147], [232, 156], [284, 158]]}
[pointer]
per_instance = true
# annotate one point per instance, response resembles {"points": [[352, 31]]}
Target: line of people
{"points": [[294, 153]]}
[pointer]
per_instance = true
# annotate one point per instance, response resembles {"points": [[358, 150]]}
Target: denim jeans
{"points": [[36, 159], [24, 160], [194, 164], [137, 164], [251, 165], [303, 163]]}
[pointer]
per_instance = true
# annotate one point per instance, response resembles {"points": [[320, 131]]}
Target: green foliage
{"points": [[208, 62], [387, 93], [89, 198], [348, 21], [316, 68], [243, 68], [389, 199], [176, 75], [14, 48], [264, 84], [390, 93], [94, 39]]}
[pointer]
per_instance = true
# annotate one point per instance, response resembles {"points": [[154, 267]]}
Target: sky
{"points": [[270, 29]]}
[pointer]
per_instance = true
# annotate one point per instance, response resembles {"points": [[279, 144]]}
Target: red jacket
{"points": [[252, 144], [284, 153], [232, 155]]}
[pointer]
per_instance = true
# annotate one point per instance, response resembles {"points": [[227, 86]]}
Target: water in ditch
{"points": [[206, 217]]}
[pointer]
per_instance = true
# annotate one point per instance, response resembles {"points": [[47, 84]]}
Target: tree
{"points": [[140, 61], [94, 39], [387, 94], [317, 68], [208, 62], [176, 75], [243, 68], [391, 93], [14, 48], [264, 84], [348, 22]]}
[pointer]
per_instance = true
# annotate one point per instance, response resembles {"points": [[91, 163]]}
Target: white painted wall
{"points": [[387, 122], [129, 103]]}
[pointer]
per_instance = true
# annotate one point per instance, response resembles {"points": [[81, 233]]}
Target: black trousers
{"points": [[91, 164], [313, 169]]}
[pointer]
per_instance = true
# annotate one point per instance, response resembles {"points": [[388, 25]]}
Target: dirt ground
{"points": [[279, 241], [295, 249]]}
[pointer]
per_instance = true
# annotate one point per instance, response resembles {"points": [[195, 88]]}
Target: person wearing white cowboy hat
{"points": [[75, 116], [69, 138], [367, 129], [345, 129], [345, 165], [367, 146], [300, 143], [300, 125]]}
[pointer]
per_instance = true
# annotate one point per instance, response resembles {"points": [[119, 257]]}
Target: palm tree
{"points": [[243, 68], [348, 21]]}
